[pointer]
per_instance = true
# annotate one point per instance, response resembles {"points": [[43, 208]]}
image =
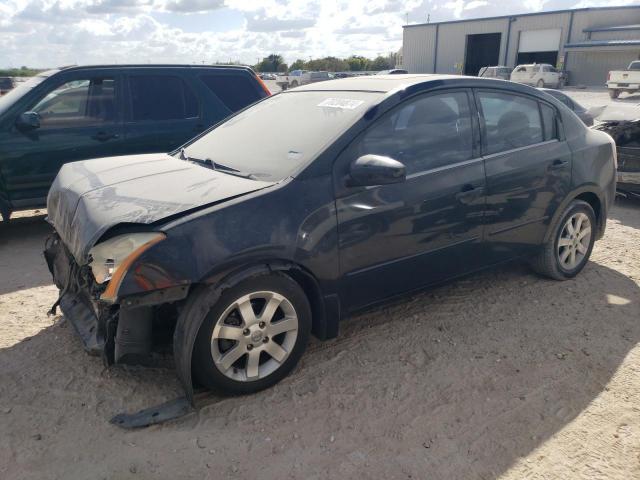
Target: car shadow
{"points": [[21, 246], [461, 381], [626, 211]]}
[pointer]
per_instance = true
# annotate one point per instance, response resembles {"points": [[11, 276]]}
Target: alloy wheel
{"points": [[574, 241], [254, 336]]}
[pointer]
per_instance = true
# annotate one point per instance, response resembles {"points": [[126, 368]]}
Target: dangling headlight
{"points": [[112, 258]]}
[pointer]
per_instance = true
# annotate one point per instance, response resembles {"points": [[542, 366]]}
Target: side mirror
{"points": [[28, 121], [369, 170]]}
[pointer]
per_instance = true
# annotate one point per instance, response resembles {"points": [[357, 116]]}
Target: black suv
{"points": [[78, 113]]}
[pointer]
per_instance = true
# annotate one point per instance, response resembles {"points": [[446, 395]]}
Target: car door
{"points": [[79, 118], [163, 111], [528, 167], [395, 238]]}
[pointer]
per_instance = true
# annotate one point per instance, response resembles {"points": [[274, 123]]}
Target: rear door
{"points": [[528, 167], [395, 238], [80, 118], [163, 111]]}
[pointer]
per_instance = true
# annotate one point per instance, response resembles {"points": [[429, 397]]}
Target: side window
{"points": [[424, 133], [549, 121], [510, 121], [161, 97], [235, 91], [78, 103]]}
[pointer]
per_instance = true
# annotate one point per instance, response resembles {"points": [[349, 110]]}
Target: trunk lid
{"points": [[89, 197]]}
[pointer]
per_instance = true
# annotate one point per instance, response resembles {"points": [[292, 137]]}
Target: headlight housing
{"points": [[112, 258]]}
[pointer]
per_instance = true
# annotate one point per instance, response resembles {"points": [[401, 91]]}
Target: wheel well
{"points": [[312, 290], [593, 200]]}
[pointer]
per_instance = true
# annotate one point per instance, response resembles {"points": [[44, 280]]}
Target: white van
{"points": [[538, 75]]}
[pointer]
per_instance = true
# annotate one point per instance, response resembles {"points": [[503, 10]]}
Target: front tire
{"points": [[540, 83], [253, 336], [613, 93], [570, 243]]}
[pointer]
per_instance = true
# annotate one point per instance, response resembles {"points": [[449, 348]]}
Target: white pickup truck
{"points": [[628, 80], [300, 77]]}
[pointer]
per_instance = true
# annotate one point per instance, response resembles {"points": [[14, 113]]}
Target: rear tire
{"points": [[239, 350], [540, 83], [570, 244], [613, 93], [294, 84]]}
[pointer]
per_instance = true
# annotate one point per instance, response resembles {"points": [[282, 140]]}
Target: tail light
{"points": [[608, 76]]}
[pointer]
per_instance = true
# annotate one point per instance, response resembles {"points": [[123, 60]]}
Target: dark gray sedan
{"points": [[574, 106], [258, 233]]}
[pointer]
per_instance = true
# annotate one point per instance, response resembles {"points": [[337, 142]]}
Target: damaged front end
{"points": [[626, 134], [125, 330]]}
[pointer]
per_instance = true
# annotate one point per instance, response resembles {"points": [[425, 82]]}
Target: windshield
{"points": [[276, 137], [20, 89]]}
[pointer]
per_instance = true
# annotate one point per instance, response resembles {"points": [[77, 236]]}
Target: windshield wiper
{"points": [[207, 162]]}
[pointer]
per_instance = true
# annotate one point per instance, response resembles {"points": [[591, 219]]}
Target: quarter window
{"points": [[78, 103], [549, 121], [425, 133], [161, 97], [510, 121]]}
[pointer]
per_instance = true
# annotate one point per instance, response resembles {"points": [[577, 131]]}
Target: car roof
{"points": [[391, 83], [376, 83], [151, 65]]}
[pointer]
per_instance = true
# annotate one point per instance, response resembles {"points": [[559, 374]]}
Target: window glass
{"points": [[511, 121], [161, 97], [564, 99], [235, 91], [425, 133], [295, 127], [77, 103], [549, 122]]}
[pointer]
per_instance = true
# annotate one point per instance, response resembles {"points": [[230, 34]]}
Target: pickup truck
{"points": [[628, 80], [300, 77]]}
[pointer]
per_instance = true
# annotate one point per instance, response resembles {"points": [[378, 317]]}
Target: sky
{"points": [[51, 33]]}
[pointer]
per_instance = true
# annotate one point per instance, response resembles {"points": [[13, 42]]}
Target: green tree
{"points": [[272, 63], [357, 63], [299, 64], [380, 63]]}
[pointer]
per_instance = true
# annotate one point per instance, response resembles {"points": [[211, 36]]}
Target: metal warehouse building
{"points": [[586, 42]]}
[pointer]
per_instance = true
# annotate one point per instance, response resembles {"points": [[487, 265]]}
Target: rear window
{"points": [[161, 97], [235, 91], [6, 82]]}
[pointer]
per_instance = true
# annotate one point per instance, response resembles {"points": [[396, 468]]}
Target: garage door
{"points": [[540, 40]]}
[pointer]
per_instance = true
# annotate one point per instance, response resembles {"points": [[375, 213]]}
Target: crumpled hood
{"points": [[89, 197]]}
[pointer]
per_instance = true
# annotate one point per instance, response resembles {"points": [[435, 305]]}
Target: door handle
{"points": [[558, 164], [469, 192], [104, 136]]}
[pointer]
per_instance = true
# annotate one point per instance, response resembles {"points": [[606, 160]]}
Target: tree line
{"points": [[354, 63]]}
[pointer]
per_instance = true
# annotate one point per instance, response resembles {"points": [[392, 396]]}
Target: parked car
{"points": [[537, 75], [626, 134], [267, 76], [501, 72], [77, 113], [257, 233], [628, 80], [6, 84], [301, 77], [579, 110], [393, 71]]}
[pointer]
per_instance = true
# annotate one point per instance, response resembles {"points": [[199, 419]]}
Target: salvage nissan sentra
{"points": [[309, 205]]}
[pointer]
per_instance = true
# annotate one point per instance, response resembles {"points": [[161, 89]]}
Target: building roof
{"points": [[612, 28], [551, 12], [603, 43]]}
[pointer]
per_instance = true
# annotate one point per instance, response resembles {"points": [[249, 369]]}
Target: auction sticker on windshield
{"points": [[340, 103]]}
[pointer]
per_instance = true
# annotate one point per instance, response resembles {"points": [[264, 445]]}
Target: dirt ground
{"points": [[502, 375]]}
